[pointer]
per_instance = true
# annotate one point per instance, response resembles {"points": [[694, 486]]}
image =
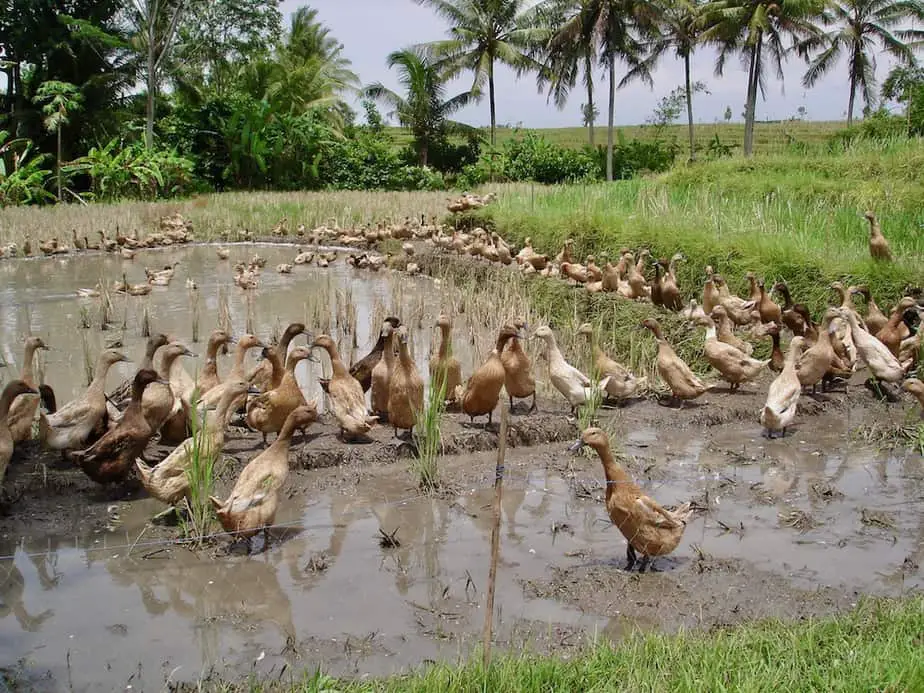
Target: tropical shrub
{"points": [[22, 173], [118, 171]]}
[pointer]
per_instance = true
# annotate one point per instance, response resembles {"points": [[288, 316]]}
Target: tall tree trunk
{"points": [[853, 95], [589, 77], [152, 77], [491, 99], [59, 164], [751, 105], [19, 101], [689, 87], [610, 117], [422, 153]]}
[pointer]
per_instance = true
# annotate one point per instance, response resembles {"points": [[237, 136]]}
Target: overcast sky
{"points": [[371, 29]]}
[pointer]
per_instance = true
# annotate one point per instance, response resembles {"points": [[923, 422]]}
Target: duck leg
{"points": [[644, 564], [532, 407], [511, 404], [630, 558]]}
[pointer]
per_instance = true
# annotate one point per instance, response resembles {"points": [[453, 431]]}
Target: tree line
{"points": [[149, 98]]}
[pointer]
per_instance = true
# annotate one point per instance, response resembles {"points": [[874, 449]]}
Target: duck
{"points": [[594, 273], [71, 426], [168, 482], [254, 500], [345, 394], [622, 383], [22, 410], [883, 364], [222, 253], [238, 372], [816, 361], [405, 388], [737, 308], [565, 254], [783, 396], [878, 245], [160, 403], [650, 529], [122, 395], [916, 388], [777, 360], [789, 315], [111, 458], [13, 390], [381, 374], [574, 386], [518, 378], [735, 367], [268, 412], [895, 329], [725, 333], [636, 277], [754, 288], [670, 294], [526, 251], [208, 378], [362, 369], [284, 268], [445, 370], [124, 287], [268, 373], [677, 375], [769, 311], [875, 319], [655, 290], [482, 391], [693, 312]]}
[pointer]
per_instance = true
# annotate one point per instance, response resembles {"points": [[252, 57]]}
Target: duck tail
{"points": [[683, 512], [216, 503], [47, 397]]}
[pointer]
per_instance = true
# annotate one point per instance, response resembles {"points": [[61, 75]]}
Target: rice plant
{"points": [[429, 439], [200, 475]]}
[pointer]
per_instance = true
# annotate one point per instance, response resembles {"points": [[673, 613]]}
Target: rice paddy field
{"points": [[801, 569]]}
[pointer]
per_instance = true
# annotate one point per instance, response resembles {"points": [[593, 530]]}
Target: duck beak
{"points": [[45, 347], [162, 381], [576, 446], [187, 352], [232, 340], [125, 359], [253, 390]]}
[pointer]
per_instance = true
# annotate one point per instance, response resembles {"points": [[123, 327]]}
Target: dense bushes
{"points": [[533, 158]]}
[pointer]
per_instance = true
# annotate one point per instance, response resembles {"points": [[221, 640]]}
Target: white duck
{"points": [[735, 366], [881, 362], [783, 396], [568, 380]]}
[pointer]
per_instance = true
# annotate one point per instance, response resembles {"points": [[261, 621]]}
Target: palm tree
{"points": [[754, 28], [614, 28], [424, 110], [484, 33], [566, 58], [679, 26], [60, 100], [306, 70], [861, 26]]}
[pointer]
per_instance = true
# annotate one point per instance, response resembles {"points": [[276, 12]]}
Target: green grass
{"points": [[782, 216], [429, 438], [200, 475], [774, 136], [875, 647]]}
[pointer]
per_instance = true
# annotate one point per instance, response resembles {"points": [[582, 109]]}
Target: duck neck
{"points": [[711, 331], [445, 342], [6, 401], [336, 364], [284, 440], [612, 470], [787, 300], [98, 384], [502, 342], [138, 391], [166, 365], [240, 353], [389, 353], [27, 372], [404, 354], [291, 363], [147, 363], [211, 353]]}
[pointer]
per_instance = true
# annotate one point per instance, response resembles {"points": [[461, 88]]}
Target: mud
{"points": [[94, 597]]}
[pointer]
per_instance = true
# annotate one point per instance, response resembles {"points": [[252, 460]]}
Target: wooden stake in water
{"points": [[495, 537]]}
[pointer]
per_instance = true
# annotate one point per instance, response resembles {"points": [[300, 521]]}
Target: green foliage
{"points": [[22, 176], [878, 126], [429, 440], [200, 476], [535, 158], [370, 162], [119, 171]]}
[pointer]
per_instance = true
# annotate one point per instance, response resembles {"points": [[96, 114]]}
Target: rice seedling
{"points": [[428, 437], [194, 315], [200, 474], [84, 320], [87, 358], [145, 323], [224, 311]]}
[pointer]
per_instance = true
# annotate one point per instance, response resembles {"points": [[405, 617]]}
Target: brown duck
{"points": [[362, 369]]}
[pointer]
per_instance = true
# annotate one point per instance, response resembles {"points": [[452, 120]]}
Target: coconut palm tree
{"points": [[424, 110], [679, 26], [615, 29], [759, 31], [567, 58], [484, 33], [860, 28]]}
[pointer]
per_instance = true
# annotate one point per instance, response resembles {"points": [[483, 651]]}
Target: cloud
{"points": [[371, 29]]}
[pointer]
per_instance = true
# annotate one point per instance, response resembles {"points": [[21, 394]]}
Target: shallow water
{"points": [[38, 296], [112, 610]]}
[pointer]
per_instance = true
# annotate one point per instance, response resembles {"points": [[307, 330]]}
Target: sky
{"points": [[371, 29]]}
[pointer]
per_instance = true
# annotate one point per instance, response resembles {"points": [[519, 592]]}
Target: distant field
{"points": [[769, 137]]}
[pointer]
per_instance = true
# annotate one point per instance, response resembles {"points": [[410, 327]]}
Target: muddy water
{"points": [[38, 296], [112, 610]]}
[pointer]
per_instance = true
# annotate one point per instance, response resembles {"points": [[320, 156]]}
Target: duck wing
{"points": [[657, 515]]}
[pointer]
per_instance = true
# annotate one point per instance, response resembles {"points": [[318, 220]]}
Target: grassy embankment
{"points": [[769, 137], [875, 647]]}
